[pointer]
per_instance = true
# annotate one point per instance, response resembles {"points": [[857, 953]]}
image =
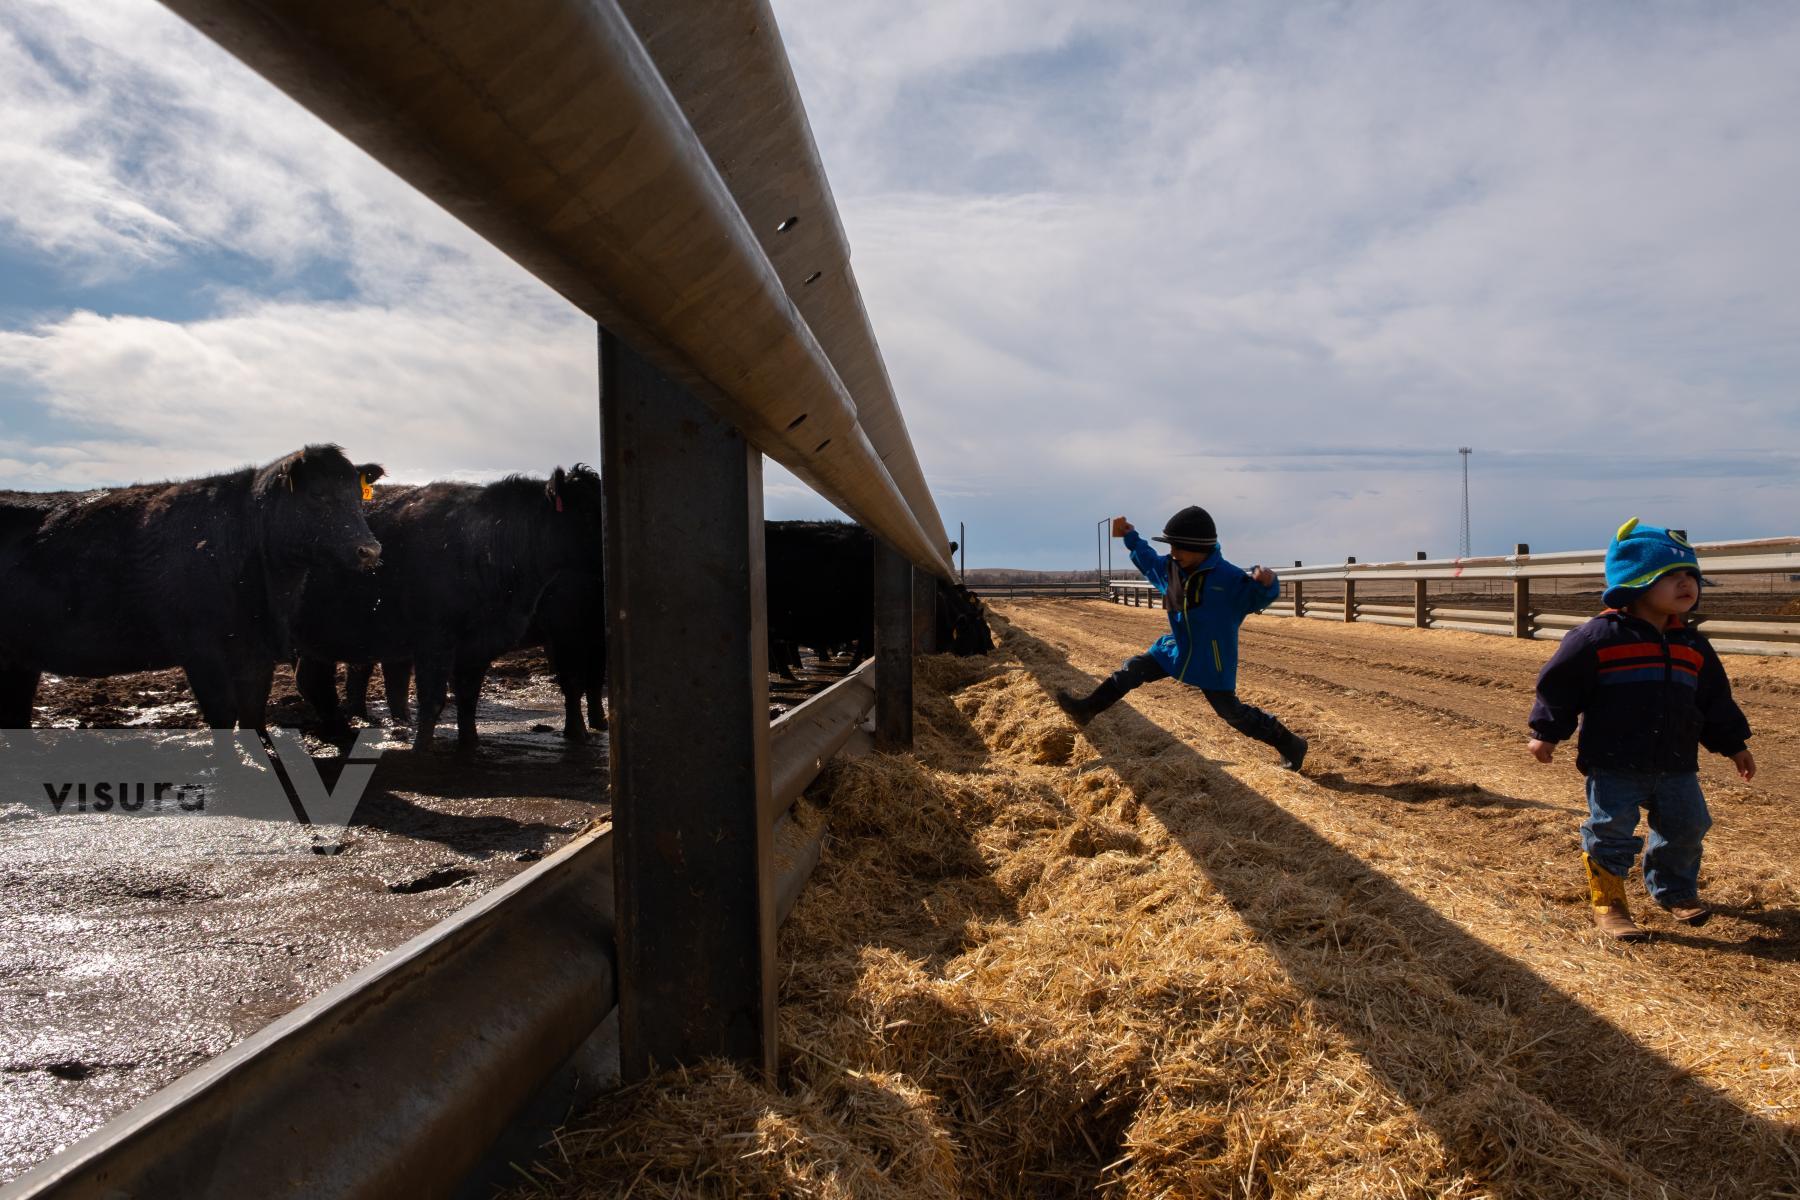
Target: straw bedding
{"points": [[1034, 962]]}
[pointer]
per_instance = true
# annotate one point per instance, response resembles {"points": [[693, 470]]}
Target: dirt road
{"points": [[1418, 764]]}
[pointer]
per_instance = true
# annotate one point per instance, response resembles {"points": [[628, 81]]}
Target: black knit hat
{"points": [[1190, 529]]}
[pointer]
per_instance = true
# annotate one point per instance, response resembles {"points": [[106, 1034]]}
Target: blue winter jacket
{"points": [[1206, 605]]}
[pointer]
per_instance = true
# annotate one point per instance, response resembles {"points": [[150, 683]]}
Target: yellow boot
{"points": [[1607, 893]]}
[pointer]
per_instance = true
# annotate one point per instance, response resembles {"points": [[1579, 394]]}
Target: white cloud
{"points": [[140, 145], [1095, 241], [1369, 225], [135, 140], [429, 395]]}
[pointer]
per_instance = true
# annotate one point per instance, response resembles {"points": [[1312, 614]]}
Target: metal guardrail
{"points": [[1716, 558], [1086, 588], [1138, 593], [805, 736], [758, 136], [1774, 635], [547, 128], [643, 183], [394, 1082]]}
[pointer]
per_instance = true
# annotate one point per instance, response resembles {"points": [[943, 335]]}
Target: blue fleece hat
{"points": [[1639, 556]]}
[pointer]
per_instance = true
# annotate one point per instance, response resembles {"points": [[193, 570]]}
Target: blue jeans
{"points": [[1678, 821]]}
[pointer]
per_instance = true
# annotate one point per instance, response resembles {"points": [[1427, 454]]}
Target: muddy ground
{"points": [[133, 949]]}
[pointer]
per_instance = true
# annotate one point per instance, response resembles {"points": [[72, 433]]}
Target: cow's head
{"points": [[962, 624], [311, 505], [575, 502], [366, 475]]}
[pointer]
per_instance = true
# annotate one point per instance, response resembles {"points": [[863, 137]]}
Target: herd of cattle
{"points": [[306, 561]]}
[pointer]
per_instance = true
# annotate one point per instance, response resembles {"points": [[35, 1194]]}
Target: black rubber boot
{"points": [[1076, 706], [1081, 710], [1292, 748]]}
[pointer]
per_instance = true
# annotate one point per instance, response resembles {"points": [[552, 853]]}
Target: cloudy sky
{"points": [[1277, 260]]}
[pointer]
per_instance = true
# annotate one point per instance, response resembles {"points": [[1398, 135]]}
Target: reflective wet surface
{"points": [[134, 948]]}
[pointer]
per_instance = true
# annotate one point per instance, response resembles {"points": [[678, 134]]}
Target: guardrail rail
{"points": [[1084, 589], [1773, 634]]}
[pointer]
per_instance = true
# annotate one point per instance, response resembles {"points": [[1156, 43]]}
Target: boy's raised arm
{"points": [[1145, 558], [1257, 590]]}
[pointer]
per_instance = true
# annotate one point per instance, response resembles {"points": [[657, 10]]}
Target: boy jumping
{"points": [[1648, 691], [1207, 599]]}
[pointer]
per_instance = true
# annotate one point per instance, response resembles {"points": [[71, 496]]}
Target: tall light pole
{"points": [[1466, 549]]}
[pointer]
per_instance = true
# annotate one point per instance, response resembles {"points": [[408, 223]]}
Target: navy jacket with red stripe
{"points": [[1646, 699]]}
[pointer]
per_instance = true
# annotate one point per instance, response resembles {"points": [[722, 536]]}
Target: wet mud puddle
{"points": [[134, 948]]}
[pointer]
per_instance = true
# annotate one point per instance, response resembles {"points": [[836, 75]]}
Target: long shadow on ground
{"points": [[1453, 795], [1527, 1087]]}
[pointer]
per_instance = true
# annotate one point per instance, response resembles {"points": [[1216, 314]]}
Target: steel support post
{"points": [[1521, 597], [893, 650], [1299, 595], [1349, 594], [924, 612], [1421, 600], [688, 649]]}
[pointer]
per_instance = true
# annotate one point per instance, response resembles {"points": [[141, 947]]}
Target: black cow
{"points": [[821, 593], [961, 621], [464, 568], [203, 574], [820, 578], [570, 623]]}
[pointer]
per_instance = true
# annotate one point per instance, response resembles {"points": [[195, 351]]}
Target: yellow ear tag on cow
{"points": [[368, 493]]}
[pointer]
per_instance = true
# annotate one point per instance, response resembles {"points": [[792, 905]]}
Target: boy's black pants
{"points": [[1245, 718]]}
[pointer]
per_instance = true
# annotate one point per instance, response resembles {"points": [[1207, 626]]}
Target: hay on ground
{"points": [[1015, 973]]}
